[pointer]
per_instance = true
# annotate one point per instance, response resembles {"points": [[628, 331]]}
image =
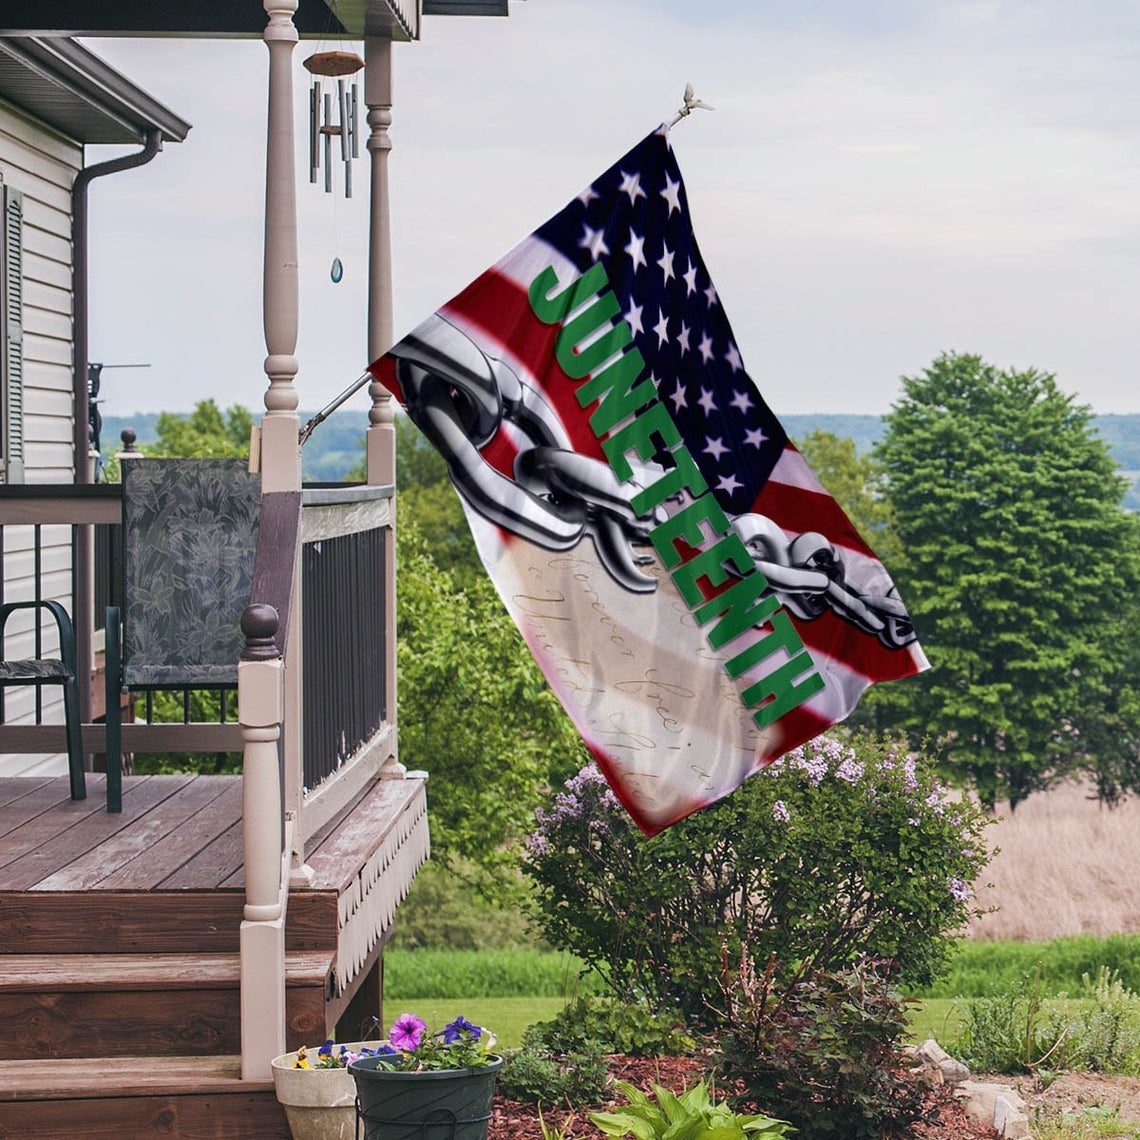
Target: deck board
{"points": [[166, 836], [218, 864], [50, 848], [51, 806]]}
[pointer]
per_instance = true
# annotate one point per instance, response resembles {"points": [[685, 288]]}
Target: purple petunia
{"points": [[407, 1031], [459, 1026]]}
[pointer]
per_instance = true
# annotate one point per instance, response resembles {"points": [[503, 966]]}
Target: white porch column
{"points": [[261, 707], [381, 437], [381, 447], [280, 452]]}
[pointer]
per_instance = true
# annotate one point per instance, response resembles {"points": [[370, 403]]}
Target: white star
{"points": [[756, 437], [733, 358], [633, 318], [707, 402], [631, 185], [690, 279], [715, 447], [636, 250], [729, 483], [705, 347], [666, 263], [740, 400], [678, 397], [594, 241], [662, 328], [671, 194], [710, 295], [587, 195], [683, 338]]}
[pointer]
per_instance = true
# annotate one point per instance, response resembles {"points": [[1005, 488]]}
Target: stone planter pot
{"points": [[446, 1104], [320, 1104]]}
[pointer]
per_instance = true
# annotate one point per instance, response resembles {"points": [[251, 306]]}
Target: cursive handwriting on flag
{"points": [[693, 595]]}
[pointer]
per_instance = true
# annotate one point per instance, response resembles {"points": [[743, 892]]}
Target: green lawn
{"points": [[505, 1017], [508, 1017], [935, 1017]]}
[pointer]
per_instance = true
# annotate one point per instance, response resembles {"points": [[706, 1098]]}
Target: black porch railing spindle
{"points": [[343, 648]]}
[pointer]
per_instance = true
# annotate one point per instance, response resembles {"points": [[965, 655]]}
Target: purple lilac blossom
{"points": [[960, 890], [780, 812]]}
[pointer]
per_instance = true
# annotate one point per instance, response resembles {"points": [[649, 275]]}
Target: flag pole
{"points": [[688, 107], [332, 406]]}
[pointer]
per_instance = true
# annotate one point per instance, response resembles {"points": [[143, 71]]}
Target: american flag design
{"points": [[694, 596]]}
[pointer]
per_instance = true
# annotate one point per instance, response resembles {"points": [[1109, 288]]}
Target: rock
{"points": [[1010, 1118], [935, 1058]]}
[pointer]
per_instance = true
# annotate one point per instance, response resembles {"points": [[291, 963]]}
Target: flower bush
{"points": [[821, 1050], [412, 1048], [845, 846]]}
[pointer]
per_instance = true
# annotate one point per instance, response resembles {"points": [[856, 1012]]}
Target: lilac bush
{"points": [[846, 846]]}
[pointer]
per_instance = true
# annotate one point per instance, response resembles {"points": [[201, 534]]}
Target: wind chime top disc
{"points": [[334, 63]]}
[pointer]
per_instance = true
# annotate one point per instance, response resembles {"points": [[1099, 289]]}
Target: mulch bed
{"points": [[513, 1120]]}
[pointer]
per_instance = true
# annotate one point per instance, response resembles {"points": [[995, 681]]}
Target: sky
{"points": [[880, 182]]}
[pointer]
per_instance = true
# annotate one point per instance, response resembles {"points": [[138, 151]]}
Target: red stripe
{"points": [[860, 652], [384, 370], [501, 309], [799, 510]]}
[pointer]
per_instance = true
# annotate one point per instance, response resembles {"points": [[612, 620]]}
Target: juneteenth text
{"points": [[614, 375]]}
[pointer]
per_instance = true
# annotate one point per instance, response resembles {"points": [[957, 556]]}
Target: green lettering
{"points": [[686, 524], [685, 476], [637, 435], [593, 317], [746, 604], [550, 310], [783, 636], [711, 564], [578, 362], [779, 692], [614, 386]]}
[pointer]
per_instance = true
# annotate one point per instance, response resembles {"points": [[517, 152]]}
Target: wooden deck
{"points": [[119, 941]]}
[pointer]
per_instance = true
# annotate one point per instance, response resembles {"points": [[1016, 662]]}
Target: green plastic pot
{"points": [[445, 1104]]}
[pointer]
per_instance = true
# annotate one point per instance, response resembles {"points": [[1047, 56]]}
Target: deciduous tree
{"points": [[1017, 566]]}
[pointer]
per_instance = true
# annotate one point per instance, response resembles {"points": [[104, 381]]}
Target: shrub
{"points": [[615, 1026], [540, 1077], [842, 847], [821, 1050], [1012, 1030]]}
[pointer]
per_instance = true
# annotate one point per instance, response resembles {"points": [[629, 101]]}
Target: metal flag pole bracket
{"points": [[688, 107], [332, 406]]}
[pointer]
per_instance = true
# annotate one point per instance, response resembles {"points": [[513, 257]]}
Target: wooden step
{"points": [[74, 1005], [136, 1097]]}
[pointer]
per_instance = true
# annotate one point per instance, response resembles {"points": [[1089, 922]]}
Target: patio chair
{"points": [[62, 670], [189, 536]]}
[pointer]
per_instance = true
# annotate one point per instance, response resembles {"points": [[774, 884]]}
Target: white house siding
{"points": [[42, 164]]}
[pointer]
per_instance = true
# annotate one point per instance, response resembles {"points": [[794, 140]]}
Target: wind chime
{"points": [[329, 65]]}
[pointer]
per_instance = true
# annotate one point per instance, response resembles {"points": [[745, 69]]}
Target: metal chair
{"points": [[62, 670], [189, 535]]}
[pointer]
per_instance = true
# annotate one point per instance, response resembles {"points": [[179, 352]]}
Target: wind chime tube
{"points": [[342, 107], [354, 121], [328, 145], [314, 130]]}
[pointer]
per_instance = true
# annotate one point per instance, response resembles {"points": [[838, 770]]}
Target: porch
{"points": [[119, 949]]}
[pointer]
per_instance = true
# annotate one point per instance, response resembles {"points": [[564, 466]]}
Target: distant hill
{"points": [[338, 444]]}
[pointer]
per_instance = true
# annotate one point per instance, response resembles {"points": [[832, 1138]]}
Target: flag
{"points": [[695, 598]]}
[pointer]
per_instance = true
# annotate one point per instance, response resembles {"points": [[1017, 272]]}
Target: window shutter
{"points": [[12, 334]]}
